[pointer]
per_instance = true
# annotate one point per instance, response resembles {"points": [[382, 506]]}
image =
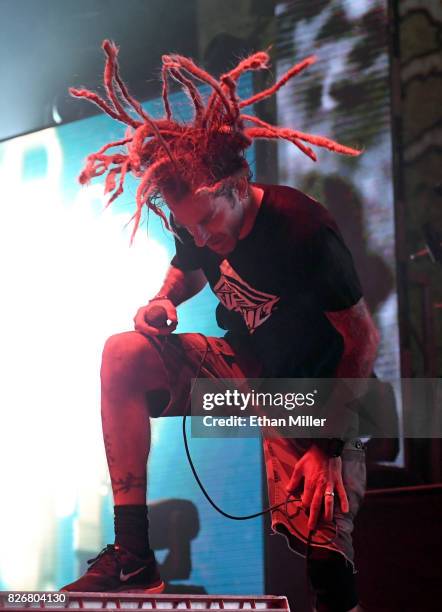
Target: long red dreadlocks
{"points": [[176, 158]]}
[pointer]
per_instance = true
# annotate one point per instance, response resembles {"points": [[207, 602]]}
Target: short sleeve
{"points": [[335, 280], [187, 256]]}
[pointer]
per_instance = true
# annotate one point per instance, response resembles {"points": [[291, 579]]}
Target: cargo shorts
{"points": [[192, 355]]}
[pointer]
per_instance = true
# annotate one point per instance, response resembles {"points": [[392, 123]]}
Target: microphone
{"points": [[157, 317]]}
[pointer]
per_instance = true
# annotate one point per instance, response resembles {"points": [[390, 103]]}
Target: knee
{"points": [[126, 357], [332, 579]]}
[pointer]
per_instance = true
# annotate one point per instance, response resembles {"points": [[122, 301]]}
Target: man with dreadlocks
{"points": [[290, 302]]}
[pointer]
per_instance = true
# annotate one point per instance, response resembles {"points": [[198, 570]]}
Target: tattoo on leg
{"points": [[129, 482], [108, 447]]}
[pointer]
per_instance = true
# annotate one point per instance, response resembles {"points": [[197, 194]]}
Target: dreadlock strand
{"points": [[124, 168], [96, 165], [267, 126], [177, 61], [266, 93], [136, 217], [304, 149], [140, 201], [144, 191], [141, 133], [320, 141], [257, 61], [230, 85], [110, 71], [146, 180], [165, 94], [192, 91], [115, 158], [95, 98], [90, 171], [157, 210], [266, 134], [111, 51], [136, 147], [126, 95], [117, 143], [97, 159], [164, 144], [110, 182]]}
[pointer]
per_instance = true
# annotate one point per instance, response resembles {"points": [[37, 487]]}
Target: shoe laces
{"points": [[105, 558]]}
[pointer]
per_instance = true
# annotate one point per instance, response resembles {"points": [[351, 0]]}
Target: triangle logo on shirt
{"points": [[235, 294]]}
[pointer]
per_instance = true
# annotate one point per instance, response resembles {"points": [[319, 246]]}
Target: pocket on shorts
{"points": [[219, 346], [203, 344]]}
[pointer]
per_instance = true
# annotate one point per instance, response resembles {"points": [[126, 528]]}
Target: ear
{"points": [[242, 187]]}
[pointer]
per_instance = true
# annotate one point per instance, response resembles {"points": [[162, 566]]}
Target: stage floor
{"points": [[140, 601]]}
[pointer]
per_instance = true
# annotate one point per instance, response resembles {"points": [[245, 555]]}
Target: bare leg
{"points": [[131, 366]]}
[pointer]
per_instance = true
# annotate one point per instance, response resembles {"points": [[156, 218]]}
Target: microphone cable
{"points": [[290, 498]]}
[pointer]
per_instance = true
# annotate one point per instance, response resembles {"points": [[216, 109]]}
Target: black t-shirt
{"points": [[276, 285]]}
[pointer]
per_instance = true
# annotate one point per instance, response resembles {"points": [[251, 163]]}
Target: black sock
{"points": [[132, 528]]}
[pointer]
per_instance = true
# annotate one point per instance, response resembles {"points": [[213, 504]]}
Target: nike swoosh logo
{"points": [[124, 577]]}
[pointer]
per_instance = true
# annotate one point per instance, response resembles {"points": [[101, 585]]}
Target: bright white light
{"points": [[355, 10], [69, 280]]}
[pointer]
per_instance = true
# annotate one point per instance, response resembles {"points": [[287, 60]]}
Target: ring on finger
{"points": [[329, 493]]}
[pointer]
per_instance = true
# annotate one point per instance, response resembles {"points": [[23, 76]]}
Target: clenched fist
{"points": [[157, 318]]}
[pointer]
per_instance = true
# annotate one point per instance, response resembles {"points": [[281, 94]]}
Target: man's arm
{"points": [[323, 475], [361, 340], [181, 285], [178, 286]]}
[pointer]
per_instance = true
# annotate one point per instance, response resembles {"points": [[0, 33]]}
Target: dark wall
{"points": [[397, 539], [47, 46]]}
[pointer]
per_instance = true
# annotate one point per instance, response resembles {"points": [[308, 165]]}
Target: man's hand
{"points": [[145, 318], [322, 476]]}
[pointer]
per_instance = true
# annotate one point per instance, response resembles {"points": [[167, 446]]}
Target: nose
{"points": [[200, 235]]}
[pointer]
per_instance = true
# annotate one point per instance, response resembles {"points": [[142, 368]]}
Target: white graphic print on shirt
{"points": [[235, 294]]}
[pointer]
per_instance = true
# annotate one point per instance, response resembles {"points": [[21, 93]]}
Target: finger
{"points": [[171, 313], [145, 329], [316, 507], [295, 478], [172, 320], [343, 499], [308, 493], [167, 329], [138, 318], [329, 502]]}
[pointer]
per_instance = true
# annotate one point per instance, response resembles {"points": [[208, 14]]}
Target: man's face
{"points": [[213, 221]]}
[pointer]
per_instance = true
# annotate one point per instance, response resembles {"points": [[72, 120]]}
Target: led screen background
{"points": [[346, 95], [70, 280]]}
